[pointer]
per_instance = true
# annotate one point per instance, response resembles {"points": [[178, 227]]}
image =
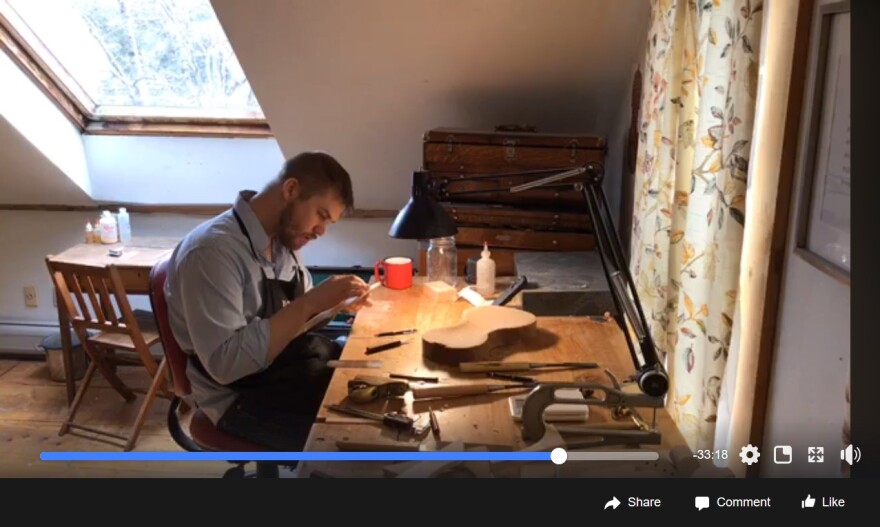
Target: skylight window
{"points": [[130, 60]]}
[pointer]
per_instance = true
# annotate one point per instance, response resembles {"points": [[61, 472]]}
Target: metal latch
{"points": [[450, 143], [509, 150], [573, 147]]}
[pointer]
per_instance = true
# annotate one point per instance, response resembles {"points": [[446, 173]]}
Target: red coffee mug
{"points": [[398, 272]]}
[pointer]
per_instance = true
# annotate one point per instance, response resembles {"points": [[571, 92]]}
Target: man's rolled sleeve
{"points": [[212, 298]]}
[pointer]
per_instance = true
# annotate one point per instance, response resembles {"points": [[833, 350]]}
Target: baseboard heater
{"points": [[20, 339]]}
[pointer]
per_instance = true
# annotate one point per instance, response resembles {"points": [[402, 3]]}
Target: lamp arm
{"points": [[442, 186], [443, 194], [650, 375], [502, 175]]}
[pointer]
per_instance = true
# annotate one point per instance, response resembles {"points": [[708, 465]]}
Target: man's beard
{"points": [[287, 229]]}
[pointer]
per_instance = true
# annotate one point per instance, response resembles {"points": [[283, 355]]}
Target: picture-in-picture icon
{"points": [[782, 454]]}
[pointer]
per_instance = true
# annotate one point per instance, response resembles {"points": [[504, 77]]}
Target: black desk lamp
{"points": [[424, 218]]}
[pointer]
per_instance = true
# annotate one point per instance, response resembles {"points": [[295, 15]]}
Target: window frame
{"points": [[65, 92]]}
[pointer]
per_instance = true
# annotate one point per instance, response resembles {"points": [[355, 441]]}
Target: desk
{"points": [[478, 420], [134, 266]]}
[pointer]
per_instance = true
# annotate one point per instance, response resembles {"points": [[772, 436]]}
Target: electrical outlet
{"points": [[30, 296]]}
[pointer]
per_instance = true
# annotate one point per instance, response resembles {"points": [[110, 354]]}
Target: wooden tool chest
{"points": [[469, 176]]}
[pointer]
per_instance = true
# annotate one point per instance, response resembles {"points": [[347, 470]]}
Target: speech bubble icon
{"points": [[701, 502]]}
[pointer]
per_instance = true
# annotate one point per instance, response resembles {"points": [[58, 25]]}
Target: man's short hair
{"points": [[318, 172]]}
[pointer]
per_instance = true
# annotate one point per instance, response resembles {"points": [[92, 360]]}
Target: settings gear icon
{"points": [[749, 454]]}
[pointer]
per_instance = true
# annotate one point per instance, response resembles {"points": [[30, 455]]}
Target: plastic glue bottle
{"points": [[109, 232], [485, 273], [124, 222]]}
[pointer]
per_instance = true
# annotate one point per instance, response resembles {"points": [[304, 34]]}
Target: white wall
{"points": [[811, 364], [178, 169], [365, 80]]}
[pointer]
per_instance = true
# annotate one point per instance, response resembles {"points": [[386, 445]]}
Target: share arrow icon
{"points": [[613, 503]]}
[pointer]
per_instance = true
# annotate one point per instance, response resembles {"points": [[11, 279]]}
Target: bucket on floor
{"points": [[51, 345]]}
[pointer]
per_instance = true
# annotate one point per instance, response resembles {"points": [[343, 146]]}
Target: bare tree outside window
{"points": [[163, 54]]}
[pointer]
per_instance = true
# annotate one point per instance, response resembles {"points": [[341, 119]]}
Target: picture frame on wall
{"points": [[823, 223]]}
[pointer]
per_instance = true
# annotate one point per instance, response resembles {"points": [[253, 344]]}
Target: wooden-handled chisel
{"points": [[471, 367], [456, 390]]}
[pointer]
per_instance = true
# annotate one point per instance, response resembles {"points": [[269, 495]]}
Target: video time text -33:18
{"points": [[710, 454]]}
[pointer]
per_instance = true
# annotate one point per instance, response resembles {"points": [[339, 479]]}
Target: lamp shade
{"points": [[422, 217]]}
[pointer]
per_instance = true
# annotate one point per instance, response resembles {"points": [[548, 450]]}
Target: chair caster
{"points": [[267, 470], [236, 472]]}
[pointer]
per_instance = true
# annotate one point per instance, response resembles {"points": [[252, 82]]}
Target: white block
{"points": [[558, 411], [440, 291]]}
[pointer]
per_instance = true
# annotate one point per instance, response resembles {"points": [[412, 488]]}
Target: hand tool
{"points": [[348, 302], [394, 420], [509, 377], [435, 424], [511, 291], [394, 333], [520, 366], [364, 388], [387, 346], [454, 390], [354, 364], [413, 377]]}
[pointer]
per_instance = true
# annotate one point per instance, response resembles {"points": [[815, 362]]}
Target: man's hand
{"points": [[357, 306], [334, 290]]}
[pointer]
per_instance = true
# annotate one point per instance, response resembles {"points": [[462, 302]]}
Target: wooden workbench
{"points": [[475, 420]]}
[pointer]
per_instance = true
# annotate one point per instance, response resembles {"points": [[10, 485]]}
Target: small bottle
{"points": [[485, 273], [109, 232], [124, 225], [90, 233]]}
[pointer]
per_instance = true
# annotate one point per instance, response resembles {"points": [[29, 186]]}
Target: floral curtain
{"points": [[701, 75]]}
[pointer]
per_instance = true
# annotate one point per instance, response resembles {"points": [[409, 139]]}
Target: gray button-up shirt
{"points": [[214, 293]]}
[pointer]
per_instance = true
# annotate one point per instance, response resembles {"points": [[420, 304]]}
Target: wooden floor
{"points": [[32, 408]]}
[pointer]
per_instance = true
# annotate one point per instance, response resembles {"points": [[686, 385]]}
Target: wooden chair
{"points": [[95, 299]]}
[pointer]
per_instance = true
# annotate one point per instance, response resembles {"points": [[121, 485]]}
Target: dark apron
{"points": [[276, 407], [305, 357]]}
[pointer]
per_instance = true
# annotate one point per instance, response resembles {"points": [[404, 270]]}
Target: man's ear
{"points": [[290, 189]]}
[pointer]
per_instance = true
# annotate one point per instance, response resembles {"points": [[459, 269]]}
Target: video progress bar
{"points": [[613, 456], [295, 456], [557, 456]]}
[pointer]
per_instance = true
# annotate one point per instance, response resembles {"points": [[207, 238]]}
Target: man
{"points": [[238, 296]]}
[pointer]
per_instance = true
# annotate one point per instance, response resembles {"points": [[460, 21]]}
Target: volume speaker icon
{"points": [[851, 454]]}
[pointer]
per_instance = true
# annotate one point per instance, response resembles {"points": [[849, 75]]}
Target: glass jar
{"points": [[442, 260]]}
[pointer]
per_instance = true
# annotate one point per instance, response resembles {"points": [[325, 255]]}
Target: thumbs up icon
{"points": [[807, 503]]}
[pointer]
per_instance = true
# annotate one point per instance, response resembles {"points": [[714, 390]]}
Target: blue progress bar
{"points": [[295, 456]]}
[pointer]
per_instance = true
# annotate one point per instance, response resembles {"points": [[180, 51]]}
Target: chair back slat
{"points": [[74, 285], [106, 302]]}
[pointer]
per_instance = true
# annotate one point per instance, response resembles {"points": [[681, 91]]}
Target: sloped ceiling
{"points": [[28, 177], [363, 79]]}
